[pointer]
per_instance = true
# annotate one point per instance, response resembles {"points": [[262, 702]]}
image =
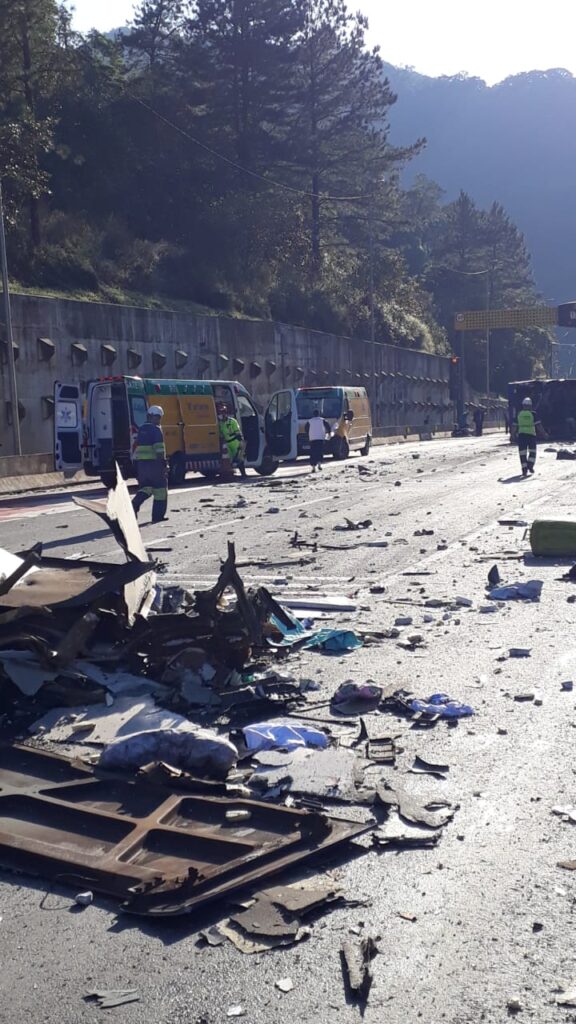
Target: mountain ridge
{"points": [[510, 143]]}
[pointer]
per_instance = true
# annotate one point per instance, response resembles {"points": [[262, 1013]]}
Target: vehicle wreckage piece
{"points": [[162, 850]]}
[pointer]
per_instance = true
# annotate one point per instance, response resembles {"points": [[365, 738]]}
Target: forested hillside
{"points": [[238, 154], [511, 143]]}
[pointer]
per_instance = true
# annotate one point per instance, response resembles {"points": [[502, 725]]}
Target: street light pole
{"points": [[372, 309], [9, 334], [488, 297]]}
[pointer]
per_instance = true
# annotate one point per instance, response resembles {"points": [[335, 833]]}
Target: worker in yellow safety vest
{"points": [[528, 427], [231, 436], [151, 469]]}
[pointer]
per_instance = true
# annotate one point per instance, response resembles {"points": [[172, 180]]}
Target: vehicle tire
{"points": [[366, 449], [177, 470], [341, 448], [268, 466]]}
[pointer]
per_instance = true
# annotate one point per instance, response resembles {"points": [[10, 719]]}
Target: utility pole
{"points": [[9, 334], [488, 298], [372, 311]]}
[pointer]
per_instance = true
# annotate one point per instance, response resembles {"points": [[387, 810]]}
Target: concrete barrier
{"points": [[32, 473]]}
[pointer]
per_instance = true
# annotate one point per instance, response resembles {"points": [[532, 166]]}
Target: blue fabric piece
{"points": [[529, 591], [442, 704], [284, 733], [334, 640]]}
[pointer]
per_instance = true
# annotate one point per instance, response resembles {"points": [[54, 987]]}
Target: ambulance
{"points": [[95, 426]]}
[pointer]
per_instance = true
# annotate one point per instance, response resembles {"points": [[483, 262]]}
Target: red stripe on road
{"points": [[13, 513]]}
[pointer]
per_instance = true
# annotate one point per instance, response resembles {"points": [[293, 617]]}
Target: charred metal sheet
{"points": [[163, 851], [59, 583]]}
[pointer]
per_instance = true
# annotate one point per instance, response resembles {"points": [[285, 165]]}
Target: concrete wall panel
{"points": [[83, 340]]}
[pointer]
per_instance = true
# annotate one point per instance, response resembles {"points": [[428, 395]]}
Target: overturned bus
{"points": [[554, 403]]}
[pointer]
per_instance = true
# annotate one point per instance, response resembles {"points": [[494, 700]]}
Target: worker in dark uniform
{"points": [[527, 434], [151, 468], [231, 436]]}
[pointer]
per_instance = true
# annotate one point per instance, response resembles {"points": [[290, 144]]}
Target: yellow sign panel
{"points": [[496, 319]]}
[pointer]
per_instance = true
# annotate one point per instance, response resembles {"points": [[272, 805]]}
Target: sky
{"points": [[488, 38]]}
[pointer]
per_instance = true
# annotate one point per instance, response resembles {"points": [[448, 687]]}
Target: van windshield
{"points": [[328, 401]]}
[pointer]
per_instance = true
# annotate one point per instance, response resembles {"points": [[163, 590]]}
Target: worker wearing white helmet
{"points": [[527, 436], [151, 469]]}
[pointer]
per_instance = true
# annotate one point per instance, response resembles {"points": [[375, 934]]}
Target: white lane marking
{"points": [[300, 579], [398, 449], [475, 534], [153, 542]]}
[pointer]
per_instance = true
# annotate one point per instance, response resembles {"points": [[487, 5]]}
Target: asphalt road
{"points": [[494, 913]]}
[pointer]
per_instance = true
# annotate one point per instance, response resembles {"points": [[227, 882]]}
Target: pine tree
{"points": [[29, 70], [339, 125], [154, 28], [248, 49]]}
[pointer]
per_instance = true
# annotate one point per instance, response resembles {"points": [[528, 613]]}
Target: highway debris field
{"points": [[155, 749]]}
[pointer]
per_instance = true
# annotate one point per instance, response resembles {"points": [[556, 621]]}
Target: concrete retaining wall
{"points": [[61, 339]]}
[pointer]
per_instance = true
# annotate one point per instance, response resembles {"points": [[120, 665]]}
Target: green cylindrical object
{"points": [[553, 538]]}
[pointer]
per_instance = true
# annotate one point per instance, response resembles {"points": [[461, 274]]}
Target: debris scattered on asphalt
{"points": [[107, 999], [194, 769], [494, 577], [434, 814], [565, 811], [350, 524], [529, 591], [283, 733], [515, 1005], [570, 576], [356, 698], [84, 899], [568, 996], [274, 917], [520, 652], [422, 767], [285, 984], [356, 964], [443, 706], [397, 834]]}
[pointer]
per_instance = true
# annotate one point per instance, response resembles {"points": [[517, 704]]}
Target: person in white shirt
{"points": [[317, 435]]}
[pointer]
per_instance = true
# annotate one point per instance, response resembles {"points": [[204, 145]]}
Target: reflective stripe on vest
{"points": [[526, 423]]}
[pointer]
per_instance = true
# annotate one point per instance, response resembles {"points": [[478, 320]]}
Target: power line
{"points": [[240, 167]]}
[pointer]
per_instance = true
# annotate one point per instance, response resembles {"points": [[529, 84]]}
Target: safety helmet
{"points": [[156, 410], [527, 403], [222, 409]]}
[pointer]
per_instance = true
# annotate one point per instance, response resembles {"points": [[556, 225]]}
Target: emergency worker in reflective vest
{"points": [[151, 470], [231, 436], [527, 436]]}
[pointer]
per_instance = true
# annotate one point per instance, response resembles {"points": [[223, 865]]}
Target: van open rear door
{"points": [[68, 428], [282, 425]]}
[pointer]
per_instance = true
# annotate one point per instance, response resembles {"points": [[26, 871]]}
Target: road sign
{"points": [[567, 314], [497, 319]]}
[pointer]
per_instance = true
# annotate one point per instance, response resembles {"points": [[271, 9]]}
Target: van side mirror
{"points": [[349, 416]]}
